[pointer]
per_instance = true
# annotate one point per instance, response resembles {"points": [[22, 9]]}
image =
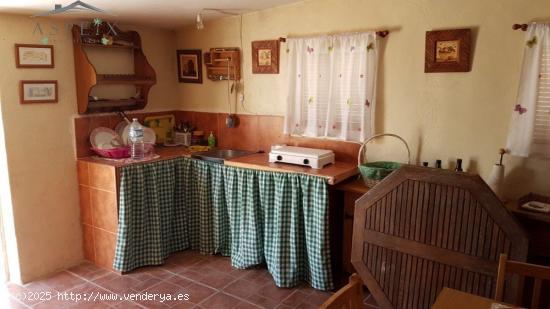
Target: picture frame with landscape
{"points": [[448, 51]]}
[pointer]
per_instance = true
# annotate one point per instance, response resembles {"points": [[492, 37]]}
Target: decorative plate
{"points": [[104, 138]]}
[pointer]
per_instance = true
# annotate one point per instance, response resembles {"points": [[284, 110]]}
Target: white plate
{"points": [[119, 129], [104, 138], [149, 135]]}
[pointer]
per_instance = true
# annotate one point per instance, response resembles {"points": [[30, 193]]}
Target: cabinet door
{"points": [[349, 208]]}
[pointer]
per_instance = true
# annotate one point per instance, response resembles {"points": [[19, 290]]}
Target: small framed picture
{"points": [[34, 56], [265, 57], [38, 91], [447, 51], [190, 66]]}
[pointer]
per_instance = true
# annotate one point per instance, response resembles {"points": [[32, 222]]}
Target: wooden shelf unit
{"points": [[124, 79], [144, 76], [221, 62]]}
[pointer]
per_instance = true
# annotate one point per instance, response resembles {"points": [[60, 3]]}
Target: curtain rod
{"points": [[380, 33], [523, 27]]}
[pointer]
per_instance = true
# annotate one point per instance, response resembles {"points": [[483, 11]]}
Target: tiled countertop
{"points": [[163, 153], [335, 173]]}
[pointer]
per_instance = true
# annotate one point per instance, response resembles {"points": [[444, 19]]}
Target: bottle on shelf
{"points": [[438, 163], [135, 136], [458, 165], [211, 140]]}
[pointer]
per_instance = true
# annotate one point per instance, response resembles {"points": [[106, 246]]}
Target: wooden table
{"points": [[453, 299], [537, 226]]}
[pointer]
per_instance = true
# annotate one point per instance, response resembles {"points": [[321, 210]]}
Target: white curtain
{"points": [[331, 86], [529, 132]]}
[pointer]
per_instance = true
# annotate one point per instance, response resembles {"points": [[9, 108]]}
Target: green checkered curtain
{"points": [[150, 226], [253, 216]]}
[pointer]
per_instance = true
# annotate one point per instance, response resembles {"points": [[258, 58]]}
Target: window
{"points": [[331, 86], [529, 133], [541, 134]]}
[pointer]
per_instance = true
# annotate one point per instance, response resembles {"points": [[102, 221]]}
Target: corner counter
{"points": [[99, 181], [335, 173]]}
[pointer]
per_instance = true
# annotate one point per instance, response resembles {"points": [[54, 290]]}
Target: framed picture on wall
{"points": [[447, 51], [38, 91], [190, 66], [265, 57], [34, 56]]}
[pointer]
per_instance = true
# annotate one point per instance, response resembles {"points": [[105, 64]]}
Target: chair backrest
{"points": [[348, 297], [524, 270]]}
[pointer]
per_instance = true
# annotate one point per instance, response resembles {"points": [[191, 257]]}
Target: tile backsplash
{"points": [[254, 132]]}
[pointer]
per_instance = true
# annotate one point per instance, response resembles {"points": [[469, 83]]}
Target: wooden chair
{"points": [[349, 297], [538, 272]]}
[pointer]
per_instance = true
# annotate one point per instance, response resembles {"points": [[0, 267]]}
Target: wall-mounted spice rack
{"points": [[223, 64]]}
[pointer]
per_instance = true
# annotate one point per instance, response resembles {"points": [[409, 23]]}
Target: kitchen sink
{"points": [[219, 155]]}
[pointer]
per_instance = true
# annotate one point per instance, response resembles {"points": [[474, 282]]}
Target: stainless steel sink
{"points": [[219, 155]]}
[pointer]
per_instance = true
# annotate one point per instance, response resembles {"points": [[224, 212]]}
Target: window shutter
{"points": [[542, 116], [541, 134]]}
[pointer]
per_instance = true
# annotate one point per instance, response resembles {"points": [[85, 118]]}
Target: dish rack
{"points": [[374, 172]]}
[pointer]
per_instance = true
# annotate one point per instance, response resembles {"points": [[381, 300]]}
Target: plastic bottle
{"points": [[135, 136], [458, 165], [211, 140]]}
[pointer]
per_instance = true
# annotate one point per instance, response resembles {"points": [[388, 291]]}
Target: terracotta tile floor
{"points": [[210, 282]]}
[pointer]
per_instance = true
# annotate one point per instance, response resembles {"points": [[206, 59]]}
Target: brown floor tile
{"points": [[108, 277], [53, 303], [262, 301], [62, 281], [270, 290], [242, 288], [306, 305], [220, 300], [258, 276], [155, 271], [164, 288], [305, 288], [217, 280], [192, 274], [184, 305], [144, 285], [295, 299], [210, 282], [318, 297], [281, 306], [88, 271], [127, 305], [198, 292], [180, 281], [118, 284], [245, 305], [179, 262]]}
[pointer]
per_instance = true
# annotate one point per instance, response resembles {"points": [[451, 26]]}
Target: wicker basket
{"points": [[374, 172]]}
